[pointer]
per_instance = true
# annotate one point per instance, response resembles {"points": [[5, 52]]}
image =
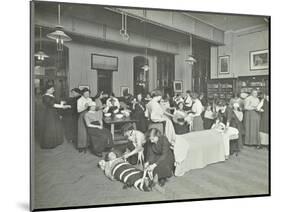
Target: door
{"points": [[141, 77], [105, 81]]}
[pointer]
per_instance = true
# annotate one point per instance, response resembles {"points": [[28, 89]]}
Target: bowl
{"points": [[119, 116], [107, 114]]}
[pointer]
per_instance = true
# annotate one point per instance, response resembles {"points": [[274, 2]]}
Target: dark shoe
{"points": [[98, 154], [162, 182], [80, 150]]}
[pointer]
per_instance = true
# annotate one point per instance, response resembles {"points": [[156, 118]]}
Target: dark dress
{"points": [[139, 114], [52, 134], [161, 154], [264, 123], [70, 120], [236, 123], [99, 139]]}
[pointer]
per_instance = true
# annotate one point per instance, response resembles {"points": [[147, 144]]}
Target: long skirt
{"points": [[197, 124], [252, 127], [99, 139], [170, 130], [82, 138], [52, 134]]}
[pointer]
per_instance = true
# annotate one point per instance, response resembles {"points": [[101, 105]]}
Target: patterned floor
{"points": [[64, 177]]}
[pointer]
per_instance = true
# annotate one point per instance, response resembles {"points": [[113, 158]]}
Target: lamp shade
{"points": [[40, 55], [191, 60], [145, 67], [59, 34]]}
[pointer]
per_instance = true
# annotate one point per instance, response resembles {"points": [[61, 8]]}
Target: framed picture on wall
{"points": [[224, 62], [177, 84], [259, 60], [104, 62], [81, 87], [124, 90]]}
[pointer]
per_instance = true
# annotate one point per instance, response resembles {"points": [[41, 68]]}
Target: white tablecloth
{"points": [[197, 149]]}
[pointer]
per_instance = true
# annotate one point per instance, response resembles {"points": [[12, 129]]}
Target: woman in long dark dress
{"points": [[235, 119], [99, 137], [252, 120], [82, 107], [139, 114], [52, 134], [70, 117], [160, 158], [264, 123]]}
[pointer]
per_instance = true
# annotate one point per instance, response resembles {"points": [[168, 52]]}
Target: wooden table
{"points": [[112, 121]]}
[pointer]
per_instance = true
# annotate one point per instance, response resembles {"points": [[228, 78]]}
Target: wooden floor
{"points": [[64, 177]]}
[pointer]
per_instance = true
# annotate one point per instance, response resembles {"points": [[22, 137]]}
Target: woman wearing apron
{"points": [[82, 107], [252, 120], [197, 109]]}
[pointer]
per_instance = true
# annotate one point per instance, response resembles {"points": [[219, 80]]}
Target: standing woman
{"points": [[160, 158], [252, 120], [197, 109], [157, 114], [99, 137], [264, 124], [52, 134], [82, 105], [139, 113]]}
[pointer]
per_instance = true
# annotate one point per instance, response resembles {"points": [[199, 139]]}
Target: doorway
{"points": [[141, 77], [105, 81]]}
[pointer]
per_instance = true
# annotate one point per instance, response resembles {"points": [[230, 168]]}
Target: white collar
{"points": [[48, 94]]}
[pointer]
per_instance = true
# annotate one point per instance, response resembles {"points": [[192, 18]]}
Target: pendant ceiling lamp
{"points": [[190, 59], [124, 29], [40, 55], [58, 35], [145, 67]]}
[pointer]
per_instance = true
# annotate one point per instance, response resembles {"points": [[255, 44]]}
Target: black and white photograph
{"points": [[135, 105], [259, 59]]}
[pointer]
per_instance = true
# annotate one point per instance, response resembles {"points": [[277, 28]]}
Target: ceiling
{"points": [[229, 22]]}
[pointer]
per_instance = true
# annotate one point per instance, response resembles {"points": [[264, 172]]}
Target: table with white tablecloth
{"points": [[197, 149]]}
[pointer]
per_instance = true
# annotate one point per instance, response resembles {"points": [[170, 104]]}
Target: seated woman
{"points": [[208, 117], [138, 109], [112, 104], [134, 153], [160, 158], [156, 114], [99, 137], [116, 168], [181, 120]]}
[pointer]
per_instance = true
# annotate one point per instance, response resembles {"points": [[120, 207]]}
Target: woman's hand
{"points": [[146, 165], [151, 167]]}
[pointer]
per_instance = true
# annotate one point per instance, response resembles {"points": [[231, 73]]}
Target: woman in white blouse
{"points": [[197, 109], [252, 119], [82, 105], [157, 114], [112, 104]]}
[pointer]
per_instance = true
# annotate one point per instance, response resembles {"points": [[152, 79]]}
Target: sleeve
{"points": [[247, 105], [80, 106], [165, 150]]}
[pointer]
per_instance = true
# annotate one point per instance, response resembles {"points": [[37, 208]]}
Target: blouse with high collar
{"points": [[251, 103], [81, 103]]}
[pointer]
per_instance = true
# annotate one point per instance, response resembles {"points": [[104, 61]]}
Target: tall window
{"points": [[165, 73]]}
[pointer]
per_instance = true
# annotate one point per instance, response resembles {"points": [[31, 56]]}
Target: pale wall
{"points": [[80, 72], [238, 46]]}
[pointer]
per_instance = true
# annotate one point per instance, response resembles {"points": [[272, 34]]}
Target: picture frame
{"points": [[258, 60], [104, 62], [124, 89], [177, 85], [81, 87], [224, 64]]}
